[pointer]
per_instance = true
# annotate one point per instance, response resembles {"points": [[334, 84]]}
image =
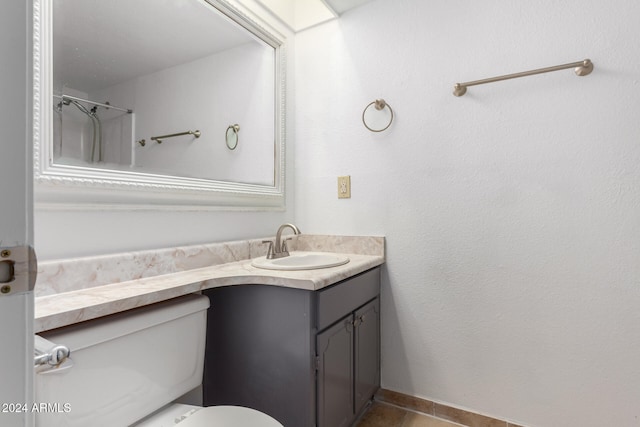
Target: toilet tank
{"points": [[124, 366]]}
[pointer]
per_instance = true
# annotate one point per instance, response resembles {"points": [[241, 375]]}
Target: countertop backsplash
{"points": [[66, 275]]}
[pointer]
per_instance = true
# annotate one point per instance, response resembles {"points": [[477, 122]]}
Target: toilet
{"points": [[128, 369]]}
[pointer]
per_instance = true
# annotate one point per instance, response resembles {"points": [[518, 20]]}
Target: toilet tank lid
{"points": [[93, 332]]}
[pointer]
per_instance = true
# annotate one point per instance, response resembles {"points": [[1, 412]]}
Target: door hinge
{"points": [[18, 269], [317, 363]]}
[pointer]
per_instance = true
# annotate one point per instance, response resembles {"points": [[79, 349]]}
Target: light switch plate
{"points": [[344, 187]]}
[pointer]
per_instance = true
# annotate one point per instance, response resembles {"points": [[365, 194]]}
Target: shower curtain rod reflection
{"points": [[99, 104]]}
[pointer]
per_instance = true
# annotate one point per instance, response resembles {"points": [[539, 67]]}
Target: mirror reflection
{"points": [[151, 86]]}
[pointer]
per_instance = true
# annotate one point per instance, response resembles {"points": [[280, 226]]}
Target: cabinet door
{"points": [[367, 353], [335, 374], [260, 351]]}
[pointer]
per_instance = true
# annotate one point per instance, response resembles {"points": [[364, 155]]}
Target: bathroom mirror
{"points": [[132, 98]]}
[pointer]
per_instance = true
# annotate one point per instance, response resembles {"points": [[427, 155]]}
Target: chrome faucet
{"points": [[279, 249]]}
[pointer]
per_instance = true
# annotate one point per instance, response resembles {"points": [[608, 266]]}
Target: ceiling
{"points": [[341, 6], [299, 15], [99, 43]]}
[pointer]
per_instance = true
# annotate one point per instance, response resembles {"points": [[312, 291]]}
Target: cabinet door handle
{"points": [[355, 322], [349, 324]]}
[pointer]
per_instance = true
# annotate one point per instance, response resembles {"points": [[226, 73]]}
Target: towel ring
{"points": [[379, 104], [231, 136]]}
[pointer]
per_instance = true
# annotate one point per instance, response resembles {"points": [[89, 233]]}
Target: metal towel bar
{"points": [[582, 68], [159, 139]]}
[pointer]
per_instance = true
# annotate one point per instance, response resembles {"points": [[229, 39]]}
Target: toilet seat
{"points": [[228, 416]]}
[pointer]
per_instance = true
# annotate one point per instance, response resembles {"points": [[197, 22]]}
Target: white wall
{"points": [[208, 94], [512, 214]]}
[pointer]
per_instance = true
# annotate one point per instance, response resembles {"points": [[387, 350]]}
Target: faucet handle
{"points": [[270, 249], [284, 245]]}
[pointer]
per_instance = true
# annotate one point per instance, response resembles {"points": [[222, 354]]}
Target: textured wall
{"points": [[512, 214]]}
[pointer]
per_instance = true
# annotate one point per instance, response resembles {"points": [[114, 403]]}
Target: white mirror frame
{"points": [[68, 186]]}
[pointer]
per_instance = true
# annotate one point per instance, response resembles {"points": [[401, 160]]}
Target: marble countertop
{"points": [[67, 308]]}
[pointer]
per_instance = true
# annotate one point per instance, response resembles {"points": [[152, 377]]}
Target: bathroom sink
{"points": [[301, 261]]}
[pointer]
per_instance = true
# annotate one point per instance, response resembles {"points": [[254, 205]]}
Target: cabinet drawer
{"points": [[344, 297]]}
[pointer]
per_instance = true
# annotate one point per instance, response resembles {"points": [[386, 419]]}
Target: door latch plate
{"points": [[18, 269]]}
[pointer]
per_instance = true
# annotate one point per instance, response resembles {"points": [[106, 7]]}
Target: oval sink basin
{"points": [[301, 261]]}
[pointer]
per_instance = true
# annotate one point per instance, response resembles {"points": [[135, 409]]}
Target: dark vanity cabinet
{"points": [[348, 371], [307, 358]]}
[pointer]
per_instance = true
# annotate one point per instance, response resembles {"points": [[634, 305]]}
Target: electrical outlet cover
{"points": [[344, 187]]}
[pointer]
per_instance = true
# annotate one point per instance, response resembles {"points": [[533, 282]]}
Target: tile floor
{"points": [[382, 414]]}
